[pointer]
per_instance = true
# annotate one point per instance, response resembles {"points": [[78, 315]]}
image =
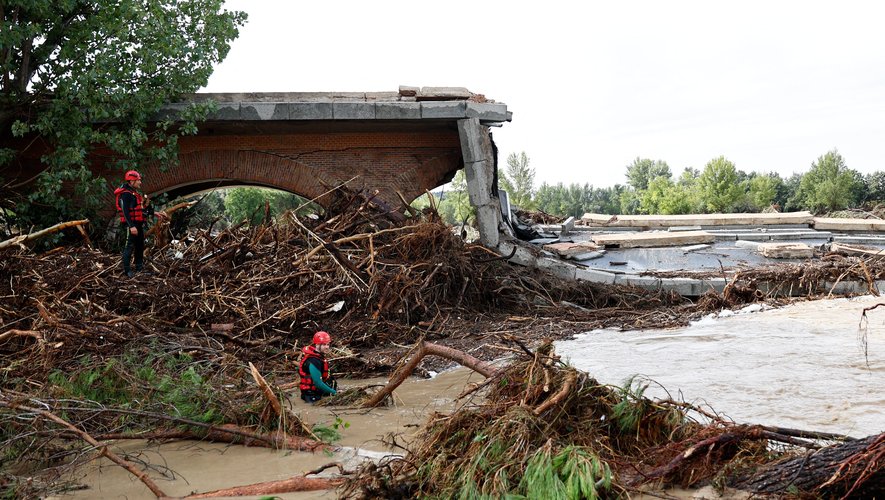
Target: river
{"points": [[801, 366]]}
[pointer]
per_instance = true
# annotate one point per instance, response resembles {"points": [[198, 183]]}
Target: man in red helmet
{"points": [[133, 208], [316, 378]]}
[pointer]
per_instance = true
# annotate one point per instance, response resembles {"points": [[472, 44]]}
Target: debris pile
{"points": [[546, 430], [183, 352]]}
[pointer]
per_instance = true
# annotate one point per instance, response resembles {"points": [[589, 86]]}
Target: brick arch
{"points": [[388, 158], [311, 164]]}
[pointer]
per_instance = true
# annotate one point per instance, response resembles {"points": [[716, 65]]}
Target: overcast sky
{"points": [[771, 85]]}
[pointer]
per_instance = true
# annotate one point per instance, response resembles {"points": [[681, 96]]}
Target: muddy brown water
{"points": [[198, 467], [802, 366]]}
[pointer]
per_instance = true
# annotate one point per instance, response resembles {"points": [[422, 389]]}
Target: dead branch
{"points": [[293, 484], [103, 448], [428, 349], [570, 379], [22, 239]]}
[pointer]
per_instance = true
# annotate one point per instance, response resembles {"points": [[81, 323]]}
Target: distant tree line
{"points": [[720, 187]]}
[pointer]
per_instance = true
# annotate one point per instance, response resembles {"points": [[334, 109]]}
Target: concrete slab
{"points": [[443, 109], [353, 110], [310, 111], [264, 111], [397, 111]]}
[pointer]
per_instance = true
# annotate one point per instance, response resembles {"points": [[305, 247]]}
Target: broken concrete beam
{"points": [[567, 226], [587, 255], [653, 239], [566, 249], [661, 221], [693, 248], [443, 94], [752, 245], [407, 91], [786, 250], [834, 224]]}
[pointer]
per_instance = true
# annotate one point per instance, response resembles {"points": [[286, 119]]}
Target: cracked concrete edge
{"points": [[532, 257]]}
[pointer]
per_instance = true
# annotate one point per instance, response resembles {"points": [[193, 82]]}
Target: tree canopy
{"points": [[80, 73], [519, 180], [828, 184], [642, 171]]}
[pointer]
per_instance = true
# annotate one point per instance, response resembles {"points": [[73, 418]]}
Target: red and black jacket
{"points": [[311, 355], [135, 213]]}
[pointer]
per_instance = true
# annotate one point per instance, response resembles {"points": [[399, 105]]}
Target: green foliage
{"points": [[577, 199], [330, 433], [169, 381], [642, 171], [629, 410], [718, 186], [665, 197], [788, 196], [828, 185], [68, 65], [630, 202], [455, 207], [572, 473], [875, 183], [762, 190], [248, 203], [519, 181]]}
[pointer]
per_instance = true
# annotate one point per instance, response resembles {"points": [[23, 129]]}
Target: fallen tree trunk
{"points": [[852, 469], [291, 485], [428, 349], [101, 447], [24, 238]]}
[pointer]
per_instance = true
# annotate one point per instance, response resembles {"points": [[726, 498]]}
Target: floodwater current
{"points": [[803, 366]]}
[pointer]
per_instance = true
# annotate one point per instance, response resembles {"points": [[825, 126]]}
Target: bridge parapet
{"points": [[429, 103]]}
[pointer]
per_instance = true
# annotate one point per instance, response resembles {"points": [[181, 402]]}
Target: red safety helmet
{"points": [[132, 175], [321, 338]]}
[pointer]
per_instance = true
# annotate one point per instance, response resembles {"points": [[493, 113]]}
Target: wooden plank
{"points": [[653, 239], [834, 224], [786, 250], [660, 221]]}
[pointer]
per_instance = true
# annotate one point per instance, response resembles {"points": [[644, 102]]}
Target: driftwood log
{"points": [[22, 239], [853, 469], [429, 349], [291, 485]]}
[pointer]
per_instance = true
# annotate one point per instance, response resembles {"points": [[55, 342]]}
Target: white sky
{"points": [[771, 85]]}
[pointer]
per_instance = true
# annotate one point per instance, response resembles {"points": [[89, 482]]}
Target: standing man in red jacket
{"points": [[133, 209]]}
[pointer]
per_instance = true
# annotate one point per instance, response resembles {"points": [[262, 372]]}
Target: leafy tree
{"points": [[679, 199], [762, 190], [549, 198], [788, 197], [77, 73], [875, 183], [828, 184], [519, 181], [576, 200], [650, 198], [455, 207], [610, 199], [642, 171], [630, 202], [689, 176], [248, 203], [718, 186]]}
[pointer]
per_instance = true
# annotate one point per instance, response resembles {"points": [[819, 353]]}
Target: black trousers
{"points": [[134, 245]]}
